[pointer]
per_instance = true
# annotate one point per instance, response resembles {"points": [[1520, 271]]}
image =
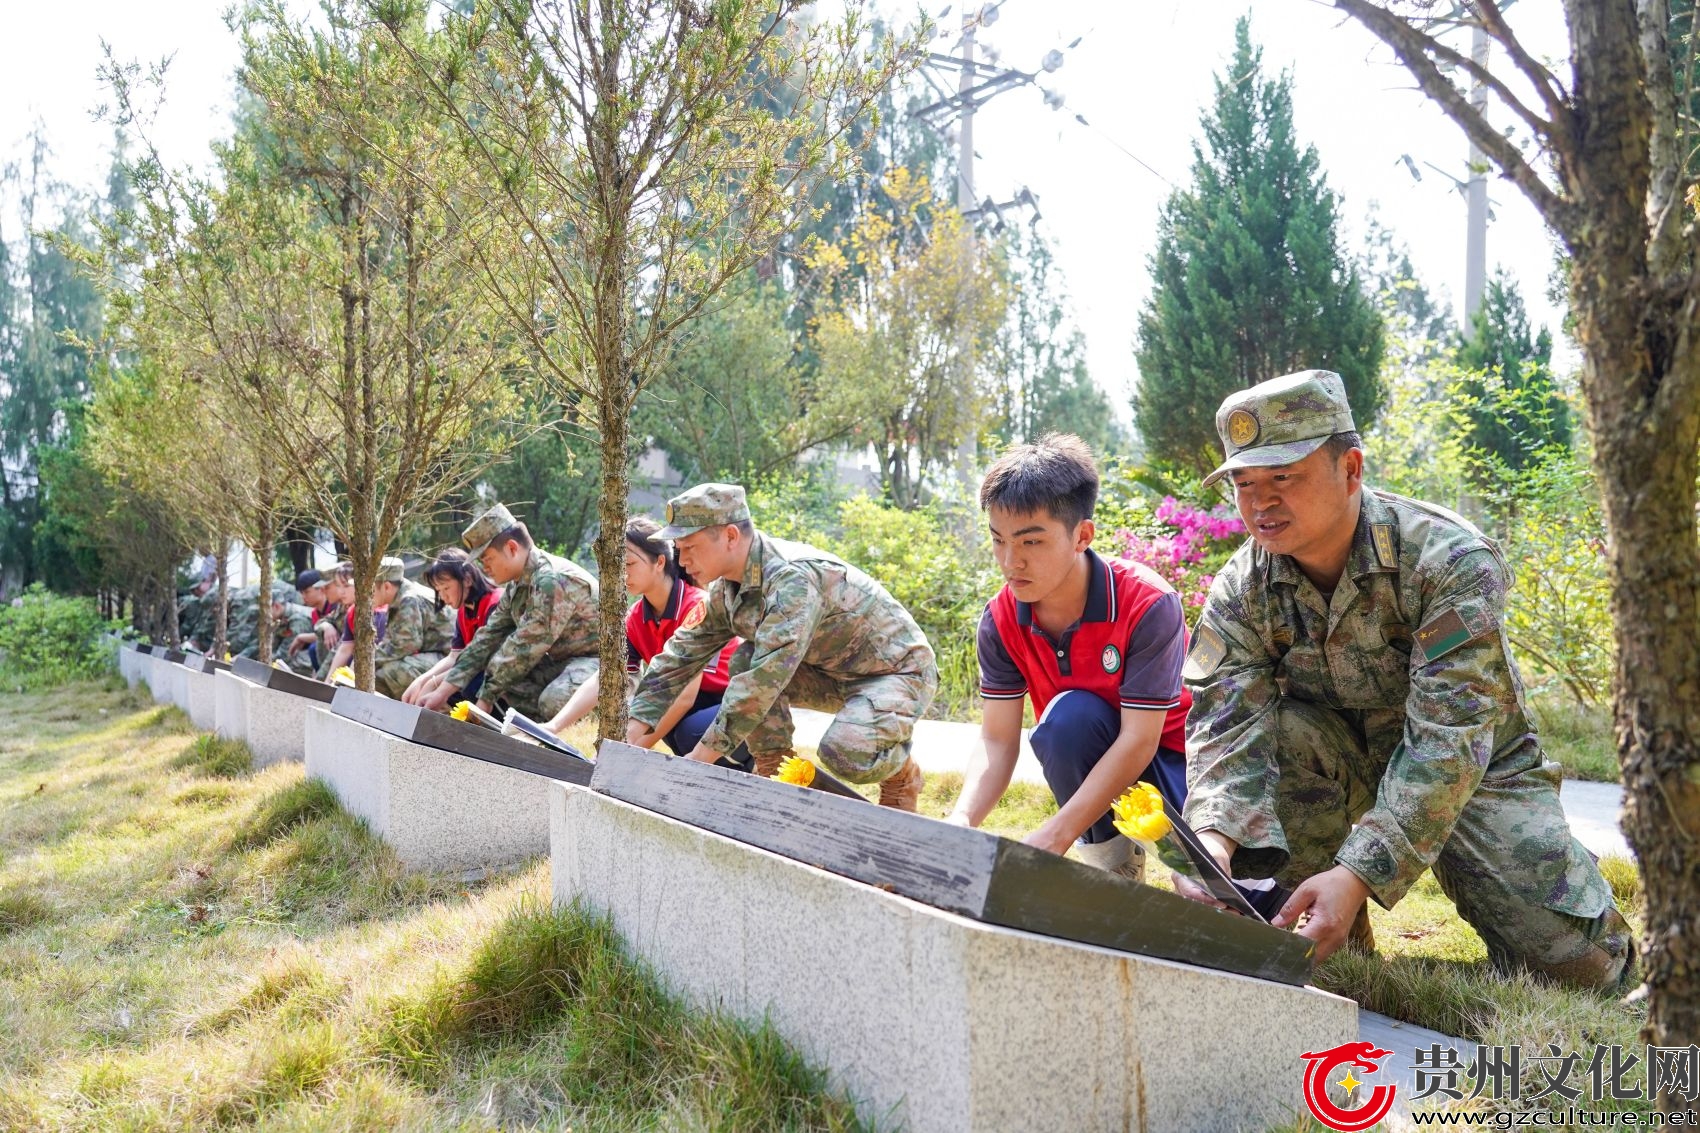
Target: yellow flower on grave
{"points": [[280, 665], [343, 676], [797, 771], [227, 656], [462, 711], [1139, 814]]}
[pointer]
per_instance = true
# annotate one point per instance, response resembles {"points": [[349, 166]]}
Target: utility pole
{"points": [[965, 131], [1476, 190]]}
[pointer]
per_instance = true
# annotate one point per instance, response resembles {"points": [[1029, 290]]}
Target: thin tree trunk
{"points": [[221, 607], [263, 648]]}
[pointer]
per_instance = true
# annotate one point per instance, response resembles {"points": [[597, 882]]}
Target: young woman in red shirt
{"points": [[460, 583], [667, 599]]}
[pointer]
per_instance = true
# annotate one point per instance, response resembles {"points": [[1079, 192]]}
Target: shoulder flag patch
{"points": [[1382, 533], [1206, 653], [693, 617], [1442, 634]]}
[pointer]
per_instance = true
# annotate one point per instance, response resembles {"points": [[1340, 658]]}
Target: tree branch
{"points": [[1414, 49]]}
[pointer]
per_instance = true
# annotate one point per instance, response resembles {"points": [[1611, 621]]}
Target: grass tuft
{"points": [[169, 719], [216, 758], [1625, 881], [301, 802], [1579, 738], [21, 909]]}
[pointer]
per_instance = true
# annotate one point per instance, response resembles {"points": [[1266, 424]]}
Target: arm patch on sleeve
{"points": [[1446, 631], [1206, 653]]}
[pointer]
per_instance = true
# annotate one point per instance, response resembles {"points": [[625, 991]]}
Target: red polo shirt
{"points": [[467, 624], [1128, 647], [647, 634]]}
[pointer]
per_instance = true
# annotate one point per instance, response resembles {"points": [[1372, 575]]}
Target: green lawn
{"points": [[184, 945]]}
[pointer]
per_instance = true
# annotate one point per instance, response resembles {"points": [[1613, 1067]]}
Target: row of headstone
{"points": [[948, 978]]}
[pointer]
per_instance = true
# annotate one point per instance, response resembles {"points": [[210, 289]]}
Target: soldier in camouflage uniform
{"points": [[195, 616], [540, 642], [417, 634], [817, 632], [1357, 717], [288, 620], [242, 624]]}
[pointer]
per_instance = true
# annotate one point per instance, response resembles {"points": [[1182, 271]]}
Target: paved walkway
{"points": [[943, 745]]}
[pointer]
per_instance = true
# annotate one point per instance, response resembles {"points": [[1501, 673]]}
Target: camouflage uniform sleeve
{"points": [[475, 657], [686, 654], [1461, 688], [789, 616], [549, 615], [1231, 729], [404, 635]]}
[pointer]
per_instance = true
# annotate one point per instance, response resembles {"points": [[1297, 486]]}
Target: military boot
{"points": [[1120, 855], [767, 763], [902, 789]]}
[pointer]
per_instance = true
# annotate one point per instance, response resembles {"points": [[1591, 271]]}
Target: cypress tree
{"points": [[1248, 280]]}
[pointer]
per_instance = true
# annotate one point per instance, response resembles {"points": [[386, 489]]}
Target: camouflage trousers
{"points": [[874, 717], [301, 663], [546, 689], [1511, 866], [393, 678]]}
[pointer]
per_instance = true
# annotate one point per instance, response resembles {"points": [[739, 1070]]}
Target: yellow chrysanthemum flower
{"points": [[462, 711], [343, 676], [227, 656], [797, 771], [1139, 813], [280, 665]]}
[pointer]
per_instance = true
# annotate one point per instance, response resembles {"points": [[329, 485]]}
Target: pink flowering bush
{"points": [[1184, 544]]}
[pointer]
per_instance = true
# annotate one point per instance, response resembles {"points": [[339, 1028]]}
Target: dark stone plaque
{"points": [[436, 730], [281, 680], [964, 871]]}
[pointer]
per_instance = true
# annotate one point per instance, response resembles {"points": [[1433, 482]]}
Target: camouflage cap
{"points": [[1281, 421], [391, 569], [481, 532], [706, 505]]}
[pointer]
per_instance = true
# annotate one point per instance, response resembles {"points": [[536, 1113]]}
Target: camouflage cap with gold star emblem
{"points": [[706, 505], [481, 532], [1281, 421]]}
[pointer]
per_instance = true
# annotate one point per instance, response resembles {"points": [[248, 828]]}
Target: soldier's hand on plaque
{"points": [[1327, 904], [1221, 848], [438, 698]]}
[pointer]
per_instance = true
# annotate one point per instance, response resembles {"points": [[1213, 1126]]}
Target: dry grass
{"points": [[187, 944]]}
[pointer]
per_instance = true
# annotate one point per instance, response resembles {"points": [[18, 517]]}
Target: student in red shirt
{"points": [[667, 599], [1098, 645], [461, 585]]}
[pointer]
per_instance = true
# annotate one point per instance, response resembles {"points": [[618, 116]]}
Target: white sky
{"points": [[1140, 76]]}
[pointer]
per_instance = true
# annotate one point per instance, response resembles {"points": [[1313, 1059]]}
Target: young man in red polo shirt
{"points": [[1097, 643]]}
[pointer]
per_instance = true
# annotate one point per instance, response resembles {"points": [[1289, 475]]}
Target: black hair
{"points": [[452, 562], [1055, 474], [519, 533], [640, 533], [1340, 444]]}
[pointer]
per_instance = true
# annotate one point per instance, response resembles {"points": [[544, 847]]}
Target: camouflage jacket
{"points": [[796, 606], [295, 619], [1411, 652], [242, 630], [415, 625], [549, 613]]}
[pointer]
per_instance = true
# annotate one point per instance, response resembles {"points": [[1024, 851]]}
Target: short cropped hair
{"points": [[1340, 444], [1056, 474], [519, 533]]}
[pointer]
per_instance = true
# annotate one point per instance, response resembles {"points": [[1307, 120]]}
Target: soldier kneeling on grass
{"points": [[416, 632], [1357, 717], [817, 632]]}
